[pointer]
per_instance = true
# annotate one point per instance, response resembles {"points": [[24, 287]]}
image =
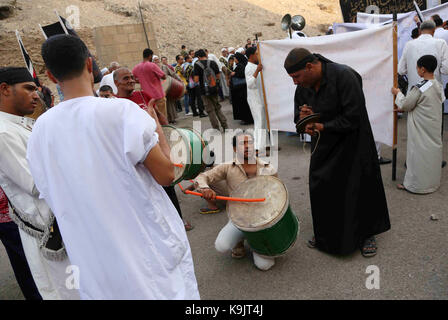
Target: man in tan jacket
{"points": [[245, 165]]}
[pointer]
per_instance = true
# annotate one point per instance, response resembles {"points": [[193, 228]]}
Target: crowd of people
{"points": [[89, 184]]}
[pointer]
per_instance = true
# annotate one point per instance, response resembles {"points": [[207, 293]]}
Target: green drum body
{"points": [[270, 227], [188, 149]]}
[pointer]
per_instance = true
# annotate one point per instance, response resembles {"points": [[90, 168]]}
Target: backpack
{"points": [[209, 78]]}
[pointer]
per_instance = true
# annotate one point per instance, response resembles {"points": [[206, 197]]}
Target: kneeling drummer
{"points": [[244, 166]]}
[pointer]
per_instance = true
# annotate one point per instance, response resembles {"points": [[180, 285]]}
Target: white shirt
{"points": [[441, 33], [118, 224], [415, 49], [19, 187], [256, 104], [15, 175], [108, 80], [212, 57]]}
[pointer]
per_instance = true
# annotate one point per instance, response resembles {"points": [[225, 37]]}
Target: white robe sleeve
{"points": [[402, 65], [444, 58], [140, 134], [251, 81], [409, 102], [14, 164]]}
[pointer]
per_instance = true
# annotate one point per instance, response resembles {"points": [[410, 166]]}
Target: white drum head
{"points": [[179, 150], [255, 216]]}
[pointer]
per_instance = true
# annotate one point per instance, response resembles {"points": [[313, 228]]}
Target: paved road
{"points": [[412, 257]]}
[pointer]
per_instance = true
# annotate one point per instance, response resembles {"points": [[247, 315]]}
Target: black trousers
{"points": [[171, 192], [196, 102], [9, 235]]}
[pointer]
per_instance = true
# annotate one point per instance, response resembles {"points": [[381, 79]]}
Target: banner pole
{"points": [[395, 142], [264, 90], [143, 23], [61, 22], [264, 95]]}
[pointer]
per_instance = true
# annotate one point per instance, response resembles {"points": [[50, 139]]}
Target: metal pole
{"points": [[143, 23], [395, 142]]}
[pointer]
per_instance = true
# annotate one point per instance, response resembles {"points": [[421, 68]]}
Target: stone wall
{"points": [[123, 43]]}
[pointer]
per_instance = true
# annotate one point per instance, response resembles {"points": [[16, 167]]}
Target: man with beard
{"points": [[246, 165], [348, 203]]}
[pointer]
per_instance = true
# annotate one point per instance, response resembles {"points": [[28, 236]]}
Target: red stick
{"points": [[223, 198]]}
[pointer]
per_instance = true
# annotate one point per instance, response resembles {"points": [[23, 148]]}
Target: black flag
{"points": [[26, 57], [64, 27]]}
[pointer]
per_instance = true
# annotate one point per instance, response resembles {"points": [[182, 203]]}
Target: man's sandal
{"points": [[369, 248], [401, 187], [311, 243], [238, 252], [209, 211], [188, 226]]}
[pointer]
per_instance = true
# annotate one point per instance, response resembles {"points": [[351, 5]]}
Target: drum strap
{"points": [[143, 99]]}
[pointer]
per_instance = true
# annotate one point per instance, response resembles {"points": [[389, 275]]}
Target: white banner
{"points": [[350, 27], [405, 22], [369, 52]]}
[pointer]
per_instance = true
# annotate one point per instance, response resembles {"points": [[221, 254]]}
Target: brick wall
{"points": [[123, 43]]}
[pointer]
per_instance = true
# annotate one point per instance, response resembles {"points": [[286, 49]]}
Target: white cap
{"points": [[223, 49], [240, 50], [231, 49]]}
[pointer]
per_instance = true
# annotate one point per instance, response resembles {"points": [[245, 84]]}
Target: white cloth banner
{"points": [[350, 27], [369, 52], [405, 22]]}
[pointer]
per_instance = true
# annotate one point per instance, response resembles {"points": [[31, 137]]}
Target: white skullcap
{"points": [[231, 49], [240, 50], [223, 49]]}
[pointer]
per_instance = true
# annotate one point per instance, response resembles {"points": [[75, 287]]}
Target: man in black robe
{"points": [[348, 203]]}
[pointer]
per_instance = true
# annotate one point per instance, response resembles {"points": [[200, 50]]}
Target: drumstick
{"points": [[223, 198]]}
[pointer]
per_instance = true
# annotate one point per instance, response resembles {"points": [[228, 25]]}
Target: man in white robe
{"points": [[424, 146], [441, 33], [253, 81], [18, 98], [224, 59], [424, 45], [100, 164]]}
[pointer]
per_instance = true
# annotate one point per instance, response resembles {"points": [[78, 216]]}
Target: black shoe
{"points": [[202, 115], [443, 164], [195, 114], [384, 160]]}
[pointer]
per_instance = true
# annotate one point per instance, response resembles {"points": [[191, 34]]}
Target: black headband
{"points": [[15, 75], [301, 64]]}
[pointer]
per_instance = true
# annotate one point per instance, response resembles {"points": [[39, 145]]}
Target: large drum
{"points": [[270, 227], [173, 88], [188, 149]]}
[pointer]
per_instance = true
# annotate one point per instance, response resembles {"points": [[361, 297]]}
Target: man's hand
{"points": [[416, 19], [395, 91], [259, 67], [311, 128], [208, 194], [305, 111]]}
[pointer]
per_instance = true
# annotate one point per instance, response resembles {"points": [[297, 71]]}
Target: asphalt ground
{"points": [[411, 260]]}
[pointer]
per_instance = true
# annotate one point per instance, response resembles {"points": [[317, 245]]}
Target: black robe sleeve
{"points": [[351, 98], [239, 71], [298, 103]]}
